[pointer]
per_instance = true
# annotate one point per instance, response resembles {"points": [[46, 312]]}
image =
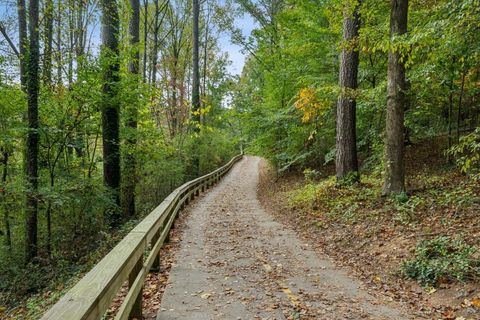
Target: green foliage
{"points": [[74, 206], [311, 175], [442, 259], [467, 153], [287, 92], [285, 96], [351, 178], [406, 208], [334, 201]]}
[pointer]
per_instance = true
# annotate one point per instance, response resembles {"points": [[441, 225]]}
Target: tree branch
{"points": [[5, 35]]}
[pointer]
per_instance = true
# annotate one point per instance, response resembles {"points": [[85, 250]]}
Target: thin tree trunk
{"points": [[396, 102], [31, 154], [79, 33], [450, 115], [110, 105], [145, 40], [205, 60], [48, 38], [80, 52], [460, 98], [59, 43], [195, 86], [155, 44], [71, 37], [195, 63], [23, 42], [174, 106], [346, 141], [49, 215], [6, 218], [131, 123], [205, 53]]}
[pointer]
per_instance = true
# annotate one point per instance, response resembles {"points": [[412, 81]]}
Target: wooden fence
{"points": [[130, 260]]}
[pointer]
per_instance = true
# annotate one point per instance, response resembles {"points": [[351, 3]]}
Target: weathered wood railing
{"points": [[131, 260]]}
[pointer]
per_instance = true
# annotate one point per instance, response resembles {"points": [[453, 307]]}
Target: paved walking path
{"points": [[236, 262]]}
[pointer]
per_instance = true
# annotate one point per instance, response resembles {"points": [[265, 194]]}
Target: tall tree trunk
{"points": [[6, 218], [196, 86], [155, 44], [396, 102], [48, 38], [174, 106], [205, 60], [450, 118], [23, 42], [110, 104], [59, 43], [48, 214], [80, 31], [460, 98], [346, 141], [205, 53], [131, 122], [195, 62], [31, 154], [145, 40], [71, 49]]}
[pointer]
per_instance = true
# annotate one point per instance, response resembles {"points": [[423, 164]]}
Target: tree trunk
{"points": [[450, 116], [205, 61], [23, 42], [110, 104], [48, 214], [80, 33], [145, 41], [79, 140], [155, 44], [195, 86], [346, 158], [460, 98], [59, 43], [31, 154], [174, 106], [131, 121], [48, 38], [71, 49], [6, 218], [396, 87], [195, 60]]}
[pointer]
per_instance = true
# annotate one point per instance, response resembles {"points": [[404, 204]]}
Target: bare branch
{"points": [[10, 43]]}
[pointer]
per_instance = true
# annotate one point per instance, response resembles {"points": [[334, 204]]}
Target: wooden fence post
{"points": [[136, 312]]}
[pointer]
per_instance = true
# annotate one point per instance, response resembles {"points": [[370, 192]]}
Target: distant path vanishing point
{"points": [[236, 262]]}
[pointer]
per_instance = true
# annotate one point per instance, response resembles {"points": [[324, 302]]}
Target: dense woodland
{"points": [[107, 106], [99, 125]]}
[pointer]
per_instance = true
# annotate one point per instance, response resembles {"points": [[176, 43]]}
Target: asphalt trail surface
{"points": [[236, 262]]}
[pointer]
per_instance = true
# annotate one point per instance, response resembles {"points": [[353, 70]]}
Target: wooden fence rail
{"points": [[130, 260]]}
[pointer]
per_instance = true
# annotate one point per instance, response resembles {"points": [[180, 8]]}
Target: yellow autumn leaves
{"points": [[311, 106]]}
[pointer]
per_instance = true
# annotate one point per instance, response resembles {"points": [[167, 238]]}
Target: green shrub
{"points": [[442, 258], [311, 175], [467, 153]]}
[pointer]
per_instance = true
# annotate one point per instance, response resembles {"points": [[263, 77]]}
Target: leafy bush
{"points": [[442, 258], [467, 153], [311, 175]]}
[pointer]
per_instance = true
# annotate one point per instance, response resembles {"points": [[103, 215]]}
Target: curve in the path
{"points": [[236, 262]]}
